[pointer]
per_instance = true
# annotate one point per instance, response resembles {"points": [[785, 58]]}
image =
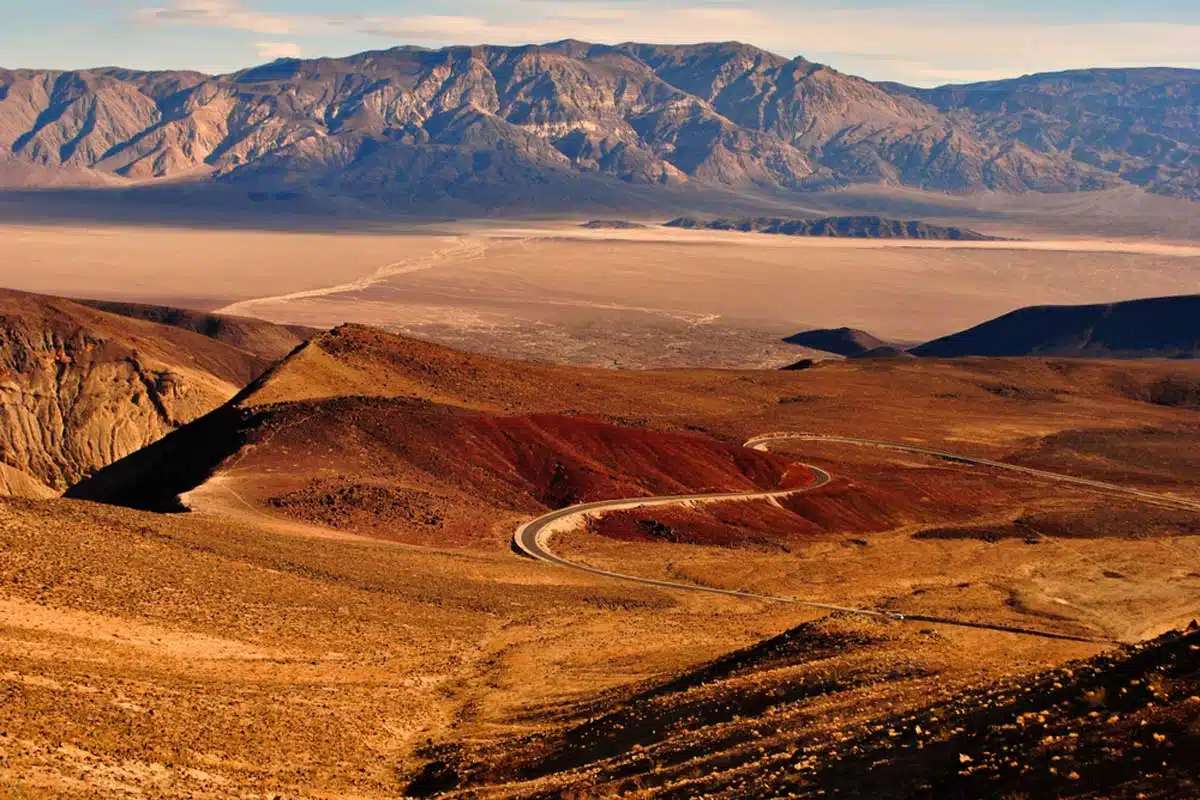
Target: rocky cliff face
{"points": [[80, 388], [544, 125], [1139, 125]]}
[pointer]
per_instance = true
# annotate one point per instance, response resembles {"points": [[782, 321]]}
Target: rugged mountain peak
{"points": [[573, 121]]}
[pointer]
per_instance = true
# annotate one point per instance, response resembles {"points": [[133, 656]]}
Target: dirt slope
{"points": [[172, 656], [81, 388], [255, 336], [750, 725]]}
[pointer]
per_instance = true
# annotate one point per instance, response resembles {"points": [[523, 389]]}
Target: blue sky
{"points": [[923, 42]]}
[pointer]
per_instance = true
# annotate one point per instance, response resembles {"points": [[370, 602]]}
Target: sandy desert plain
{"points": [[342, 614], [635, 298]]}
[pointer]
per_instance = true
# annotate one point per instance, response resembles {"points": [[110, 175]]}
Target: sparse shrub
{"points": [[1179, 391], [1096, 698]]}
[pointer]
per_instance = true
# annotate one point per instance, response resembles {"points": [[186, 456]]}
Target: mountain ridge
{"points": [[569, 122]]}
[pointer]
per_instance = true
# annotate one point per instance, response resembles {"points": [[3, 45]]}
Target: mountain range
{"points": [[572, 123]]}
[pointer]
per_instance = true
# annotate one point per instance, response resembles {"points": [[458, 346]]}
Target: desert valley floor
{"points": [[552, 291]]}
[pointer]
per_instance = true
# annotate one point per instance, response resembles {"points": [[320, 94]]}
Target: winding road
{"points": [[533, 538]]}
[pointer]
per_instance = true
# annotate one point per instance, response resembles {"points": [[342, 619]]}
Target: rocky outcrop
{"points": [[579, 124], [865, 227], [612, 225], [80, 389], [16, 483]]}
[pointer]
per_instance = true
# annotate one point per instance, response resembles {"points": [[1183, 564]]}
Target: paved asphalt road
{"points": [[533, 538]]}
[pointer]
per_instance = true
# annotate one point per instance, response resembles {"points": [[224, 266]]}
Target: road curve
{"points": [[533, 537]]}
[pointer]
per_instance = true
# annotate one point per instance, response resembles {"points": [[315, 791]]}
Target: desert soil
{"points": [[358, 618], [552, 291]]}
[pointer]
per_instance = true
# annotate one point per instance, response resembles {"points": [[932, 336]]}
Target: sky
{"points": [[920, 42]]}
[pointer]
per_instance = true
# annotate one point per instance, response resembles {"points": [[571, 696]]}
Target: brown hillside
{"points": [[342, 613], [397, 467], [756, 723], [255, 336], [82, 388], [366, 430]]}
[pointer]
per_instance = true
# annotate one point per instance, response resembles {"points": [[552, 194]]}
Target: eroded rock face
{"points": [[80, 389], [574, 121]]}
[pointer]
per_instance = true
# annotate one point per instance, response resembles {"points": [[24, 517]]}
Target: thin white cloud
{"points": [[918, 46], [228, 14], [269, 51], [983, 43], [606, 24], [438, 28]]}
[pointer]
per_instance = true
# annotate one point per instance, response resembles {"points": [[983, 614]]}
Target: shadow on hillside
{"points": [[203, 207], [211, 205]]}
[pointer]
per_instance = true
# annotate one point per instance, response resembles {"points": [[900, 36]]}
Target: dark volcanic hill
{"points": [[611, 224], [1163, 327], [842, 341], [864, 227], [571, 123]]}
